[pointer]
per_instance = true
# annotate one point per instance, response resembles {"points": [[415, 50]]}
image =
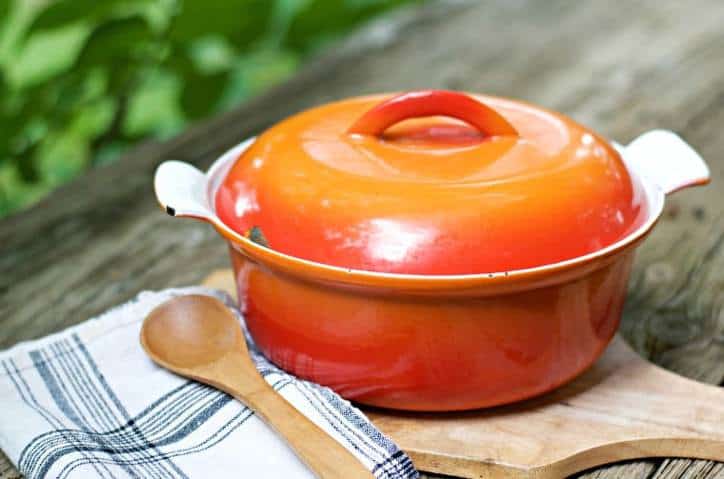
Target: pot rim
{"points": [[184, 191], [654, 199]]}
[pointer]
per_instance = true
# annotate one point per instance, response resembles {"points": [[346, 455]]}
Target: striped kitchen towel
{"points": [[87, 402]]}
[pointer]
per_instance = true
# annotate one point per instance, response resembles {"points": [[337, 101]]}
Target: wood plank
{"points": [[643, 64]]}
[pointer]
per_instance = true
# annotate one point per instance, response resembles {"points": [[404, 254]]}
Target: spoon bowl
{"points": [[192, 330]]}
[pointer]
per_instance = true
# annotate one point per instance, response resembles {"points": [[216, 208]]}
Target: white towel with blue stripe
{"points": [[87, 402]]}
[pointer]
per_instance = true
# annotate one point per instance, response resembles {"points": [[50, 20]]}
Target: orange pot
{"points": [[433, 264]]}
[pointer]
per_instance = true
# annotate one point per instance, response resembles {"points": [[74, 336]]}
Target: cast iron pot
{"points": [[433, 250]]}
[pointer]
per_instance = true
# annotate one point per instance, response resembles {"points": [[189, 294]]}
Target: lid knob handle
{"points": [[423, 103]]}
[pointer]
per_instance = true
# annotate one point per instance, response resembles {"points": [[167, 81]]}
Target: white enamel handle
{"points": [[181, 190], [664, 158]]}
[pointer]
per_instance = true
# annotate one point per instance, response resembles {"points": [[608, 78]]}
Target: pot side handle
{"points": [[664, 158], [181, 190]]}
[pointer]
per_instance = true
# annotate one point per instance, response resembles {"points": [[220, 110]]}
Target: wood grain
{"points": [[621, 68]]}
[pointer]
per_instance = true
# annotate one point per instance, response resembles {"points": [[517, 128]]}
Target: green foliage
{"points": [[83, 80]]}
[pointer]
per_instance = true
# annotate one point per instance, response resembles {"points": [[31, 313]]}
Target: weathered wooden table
{"points": [[621, 68]]}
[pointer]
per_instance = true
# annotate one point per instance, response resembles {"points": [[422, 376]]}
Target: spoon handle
{"points": [[326, 457]]}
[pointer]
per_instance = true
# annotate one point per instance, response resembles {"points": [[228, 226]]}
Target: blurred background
{"points": [[82, 81]]}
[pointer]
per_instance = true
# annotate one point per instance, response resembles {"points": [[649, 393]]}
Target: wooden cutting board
{"points": [[622, 408]]}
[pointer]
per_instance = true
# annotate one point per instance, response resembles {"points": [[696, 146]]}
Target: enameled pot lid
{"points": [[431, 182]]}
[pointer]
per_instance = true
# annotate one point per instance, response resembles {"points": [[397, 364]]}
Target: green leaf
{"points": [[241, 21], [283, 14], [47, 55], [61, 156], [4, 10], [116, 41], [64, 12], [16, 193], [257, 72], [64, 152], [4, 88], [94, 118], [319, 21], [82, 86], [212, 54], [60, 13], [26, 166], [21, 128], [153, 106], [200, 92]]}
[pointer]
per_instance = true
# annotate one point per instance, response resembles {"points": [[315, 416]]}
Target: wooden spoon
{"points": [[196, 336]]}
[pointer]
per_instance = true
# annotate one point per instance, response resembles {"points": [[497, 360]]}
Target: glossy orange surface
{"points": [[433, 251], [384, 184], [433, 350]]}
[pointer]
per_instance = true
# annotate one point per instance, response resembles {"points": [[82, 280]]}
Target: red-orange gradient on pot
{"points": [[433, 250]]}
